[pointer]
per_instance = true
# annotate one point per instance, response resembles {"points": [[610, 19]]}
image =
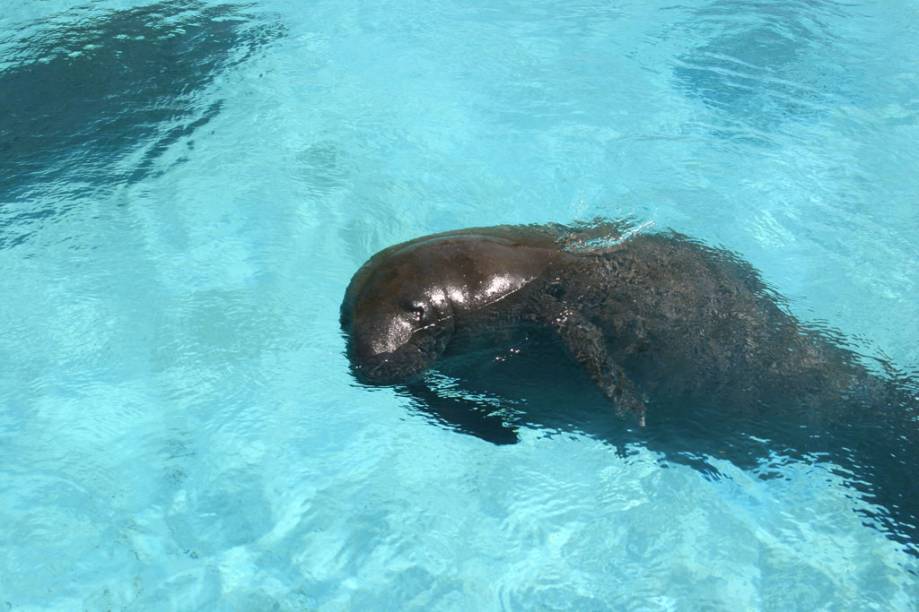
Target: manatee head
{"points": [[397, 318]]}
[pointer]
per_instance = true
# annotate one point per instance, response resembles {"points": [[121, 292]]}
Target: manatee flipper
{"points": [[465, 416], [584, 341]]}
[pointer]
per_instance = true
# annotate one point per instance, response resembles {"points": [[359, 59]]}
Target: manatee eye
{"points": [[417, 309]]}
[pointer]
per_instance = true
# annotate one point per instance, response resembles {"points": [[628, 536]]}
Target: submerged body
{"points": [[660, 323], [654, 317]]}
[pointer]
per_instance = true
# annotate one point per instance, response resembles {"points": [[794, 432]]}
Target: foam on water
{"points": [[178, 222]]}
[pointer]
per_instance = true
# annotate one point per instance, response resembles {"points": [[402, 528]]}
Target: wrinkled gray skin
{"points": [[649, 317]]}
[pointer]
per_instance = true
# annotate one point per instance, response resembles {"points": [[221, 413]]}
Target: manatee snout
{"points": [[408, 360], [387, 368], [392, 345]]}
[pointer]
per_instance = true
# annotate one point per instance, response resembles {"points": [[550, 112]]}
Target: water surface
{"points": [[187, 187]]}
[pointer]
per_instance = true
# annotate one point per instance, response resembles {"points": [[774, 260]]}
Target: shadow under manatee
{"points": [[92, 99], [493, 395]]}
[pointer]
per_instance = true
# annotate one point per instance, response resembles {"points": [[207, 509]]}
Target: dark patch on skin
{"points": [[86, 91], [683, 339], [756, 73]]}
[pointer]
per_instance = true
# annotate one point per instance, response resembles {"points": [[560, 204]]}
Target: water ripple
{"points": [[764, 64], [92, 99]]}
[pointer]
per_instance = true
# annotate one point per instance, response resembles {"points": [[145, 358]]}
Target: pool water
{"points": [[186, 189]]}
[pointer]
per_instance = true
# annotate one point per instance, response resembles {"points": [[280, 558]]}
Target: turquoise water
{"points": [[186, 189]]}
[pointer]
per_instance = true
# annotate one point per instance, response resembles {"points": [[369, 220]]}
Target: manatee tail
{"points": [[881, 449]]}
